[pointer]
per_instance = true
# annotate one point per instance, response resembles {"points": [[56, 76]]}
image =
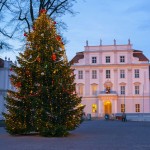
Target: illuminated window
{"points": [[94, 89], [122, 107], [94, 108], [107, 90], [80, 105], [137, 107], [94, 74], [80, 89]]}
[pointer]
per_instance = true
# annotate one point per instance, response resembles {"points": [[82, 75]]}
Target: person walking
{"points": [[124, 117]]}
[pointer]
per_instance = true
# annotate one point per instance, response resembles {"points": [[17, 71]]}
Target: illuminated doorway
{"points": [[107, 107]]}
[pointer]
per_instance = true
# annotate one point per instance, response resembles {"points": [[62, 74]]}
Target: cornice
{"points": [[112, 66]]}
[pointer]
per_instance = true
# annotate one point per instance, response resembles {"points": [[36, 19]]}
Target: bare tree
{"points": [[17, 16]]}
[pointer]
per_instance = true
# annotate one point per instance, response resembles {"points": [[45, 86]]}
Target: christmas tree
{"points": [[45, 100]]}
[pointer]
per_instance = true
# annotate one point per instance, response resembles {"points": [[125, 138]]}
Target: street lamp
{"points": [[124, 102]]}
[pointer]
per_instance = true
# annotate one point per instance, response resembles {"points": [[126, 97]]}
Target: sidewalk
{"points": [[91, 135]]}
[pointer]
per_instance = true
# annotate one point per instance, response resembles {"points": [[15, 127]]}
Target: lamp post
{"points": [[143, 102], [124, 103]]}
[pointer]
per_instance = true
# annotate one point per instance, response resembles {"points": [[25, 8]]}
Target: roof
{"points": [[78, 56], [136, 53], [1, 63], [140, 55]]}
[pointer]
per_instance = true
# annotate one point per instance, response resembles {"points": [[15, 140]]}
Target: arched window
{"points": [[94, 88], [80, 87]]}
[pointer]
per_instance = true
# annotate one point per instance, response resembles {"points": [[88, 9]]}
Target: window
{"points": [[122, 74], [107, 59], [94, 108], [80, 89], [107, 73], [136, 72], [94, 89], [107, 90], [122, 90], [80, 74], [122, 59], [122, 107], [137, 89], [137, 107], [94, 74], [94, 60]]}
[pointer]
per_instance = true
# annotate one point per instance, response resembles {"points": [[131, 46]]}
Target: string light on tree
{"points": [[45, 100]]}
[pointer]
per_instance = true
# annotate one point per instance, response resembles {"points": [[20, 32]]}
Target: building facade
{"points": [[112, 79], [5, 71]]}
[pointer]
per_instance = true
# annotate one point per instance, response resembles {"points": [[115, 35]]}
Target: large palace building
{"points": [[112, 79]]}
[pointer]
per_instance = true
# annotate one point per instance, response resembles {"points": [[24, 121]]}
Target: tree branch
{"points": [[3, 32], [26, 20], [2, 4], [31, 11]]}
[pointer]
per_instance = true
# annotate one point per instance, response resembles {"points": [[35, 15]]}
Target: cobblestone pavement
{"points": [[91, 135]]}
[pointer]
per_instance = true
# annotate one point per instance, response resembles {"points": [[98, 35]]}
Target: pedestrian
{"points": [[106, 116], [124, 117]]}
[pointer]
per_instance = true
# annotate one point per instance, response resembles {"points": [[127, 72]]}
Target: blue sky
{"points": [[107, 20]]}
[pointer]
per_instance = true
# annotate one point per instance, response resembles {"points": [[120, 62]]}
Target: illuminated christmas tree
{"points": [[45, 100]]}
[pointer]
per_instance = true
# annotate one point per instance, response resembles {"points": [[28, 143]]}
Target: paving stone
{"points": [[91, 135]]}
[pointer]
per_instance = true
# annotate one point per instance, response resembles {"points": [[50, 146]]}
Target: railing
{"points": [[136, 116], [104, 92]]}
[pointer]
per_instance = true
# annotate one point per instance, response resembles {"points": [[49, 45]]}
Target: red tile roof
{"points": [[78, 56], [140, 55]]}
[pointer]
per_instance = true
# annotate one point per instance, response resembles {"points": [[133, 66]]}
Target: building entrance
{"points": [[107, 107]]}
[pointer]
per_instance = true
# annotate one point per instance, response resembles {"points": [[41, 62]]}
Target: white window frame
{"points": [[136, 73], [94, 74], [108, 74], [80, 74], [107, 59], [122, 59], [137, 89], [122, 73], [122, 90], [94, 60]]}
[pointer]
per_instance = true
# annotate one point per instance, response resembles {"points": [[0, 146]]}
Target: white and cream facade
{"points": [[5, 84], [112, 79]]}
